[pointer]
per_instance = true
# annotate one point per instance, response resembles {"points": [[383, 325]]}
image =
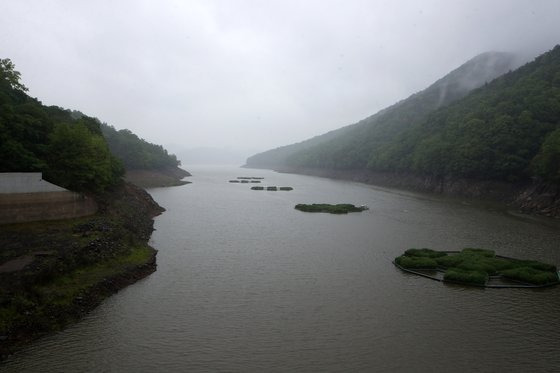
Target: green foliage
{"points": [[530, 275], [342, 208], [479, 252], [506, 130], [352, 147], [546, 163], [466, 276], [536, 265], [68, 147], [136, 153], [10, 75], [416, 262], [474, 266], [428, 253], [449, 261], [75, 148]]}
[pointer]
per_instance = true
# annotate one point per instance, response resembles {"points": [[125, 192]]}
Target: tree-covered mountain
{"points": [[351, 146], [37, 138], [507, 130], [137, 153], [72, 150]]}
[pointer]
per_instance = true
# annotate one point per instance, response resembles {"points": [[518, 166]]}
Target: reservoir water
{"points": [[247, 283]]}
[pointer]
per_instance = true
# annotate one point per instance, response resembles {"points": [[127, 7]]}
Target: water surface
{"points": [[247, 283]]}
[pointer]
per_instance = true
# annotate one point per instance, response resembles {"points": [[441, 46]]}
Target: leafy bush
{"points": [[536, 265], [429, 253], [482, 252], [416, 262], [531, 275], [477, 265], [449, 260], [341, 208], [466, 277]]}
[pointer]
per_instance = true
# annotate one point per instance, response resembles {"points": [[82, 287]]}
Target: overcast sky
{"points": [[253, 74]]}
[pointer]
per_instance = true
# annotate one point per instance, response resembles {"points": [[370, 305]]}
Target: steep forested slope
{"points": [[33, 137], [71, 149], [276, 158], [146, 164], [53, 272], [507, 130], [350, 147], [137, 153]]}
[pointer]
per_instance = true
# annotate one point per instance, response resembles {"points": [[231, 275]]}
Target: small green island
{"points": [[341, 208], [272, 188], [478, 267]]}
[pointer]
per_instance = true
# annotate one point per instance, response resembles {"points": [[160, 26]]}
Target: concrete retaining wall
{"points": [[26, 207], [26, 182]]}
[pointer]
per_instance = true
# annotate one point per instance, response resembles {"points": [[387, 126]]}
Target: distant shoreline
{"points": [[529, 197]]}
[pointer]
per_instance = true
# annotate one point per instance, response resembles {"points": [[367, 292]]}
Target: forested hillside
{"points": [[351, 146], [507, 130], [71, 149], [276, 158], [146, 164], [33, 137], [137, 153]]}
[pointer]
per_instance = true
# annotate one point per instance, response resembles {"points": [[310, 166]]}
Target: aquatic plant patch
{"points": [[475, 266], [342, 208]]}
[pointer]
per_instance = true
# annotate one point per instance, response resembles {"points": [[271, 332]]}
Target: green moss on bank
{"points": [[64, 289], [71, 265], [50, 306]]}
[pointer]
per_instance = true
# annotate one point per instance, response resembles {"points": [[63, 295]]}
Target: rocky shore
{"points": [[529, 197], [157, 178], [53, 273]]}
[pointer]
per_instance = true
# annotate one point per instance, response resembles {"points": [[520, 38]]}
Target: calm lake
{"points": [[247, 283]]}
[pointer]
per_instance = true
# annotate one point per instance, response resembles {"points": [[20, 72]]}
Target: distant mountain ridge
{"points": [[500, 140], [350, 146]]}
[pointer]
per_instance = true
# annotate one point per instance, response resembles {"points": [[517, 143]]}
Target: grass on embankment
{"points": [[64, 289], [474, 266], [51, 305], [75, 264]]}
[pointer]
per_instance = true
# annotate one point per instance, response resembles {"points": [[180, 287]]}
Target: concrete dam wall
{"points": [[26, 197]]}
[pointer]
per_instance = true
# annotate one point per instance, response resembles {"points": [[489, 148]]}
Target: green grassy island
{"points": [[477, 267], [342, 208]]}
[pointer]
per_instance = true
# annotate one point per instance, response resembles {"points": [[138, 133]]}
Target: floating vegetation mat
{"points": [[342, 208], [272, 188], [477, 267]]}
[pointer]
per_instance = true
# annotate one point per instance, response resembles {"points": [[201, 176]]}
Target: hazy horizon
{"points": [[249, 75]]}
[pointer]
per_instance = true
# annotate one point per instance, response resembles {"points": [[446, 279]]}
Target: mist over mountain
{"points": [[351, 146], [211, 156], [506, 130]]}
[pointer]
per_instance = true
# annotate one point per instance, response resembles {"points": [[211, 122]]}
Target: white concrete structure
{"points": [[26, 182]]}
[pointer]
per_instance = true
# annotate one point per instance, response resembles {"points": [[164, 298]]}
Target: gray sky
{"points": [[253, 74]]}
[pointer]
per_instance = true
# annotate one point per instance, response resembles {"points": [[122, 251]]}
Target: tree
{"points": [[80, 160], [547, 163], [10, 75]]}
